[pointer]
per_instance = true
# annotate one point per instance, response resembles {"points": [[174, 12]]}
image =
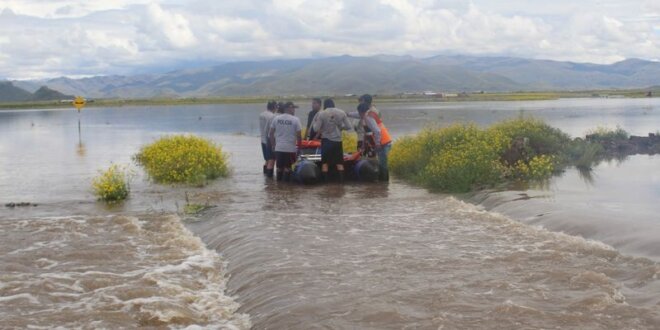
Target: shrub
{"points": [[452, 159], [538, 168], [183, 159], [112, 185], [349, 141], [463, 157], [584, 154], [542, 138], [607, 134]]}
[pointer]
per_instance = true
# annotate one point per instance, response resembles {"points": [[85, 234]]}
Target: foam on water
{"points": [[111, 272]]}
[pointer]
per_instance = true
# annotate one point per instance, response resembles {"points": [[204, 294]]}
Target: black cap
{"points": [[271, 105], [366, 98], [280, 107], [362, 107], [289, 105]]}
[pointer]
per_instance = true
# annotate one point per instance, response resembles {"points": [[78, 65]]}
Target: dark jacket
{"points": [[310, 119]]}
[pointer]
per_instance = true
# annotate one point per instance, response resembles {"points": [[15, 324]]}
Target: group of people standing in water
{"points": [[281, 135]]}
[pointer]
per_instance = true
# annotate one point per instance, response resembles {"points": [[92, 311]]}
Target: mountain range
{"points": [[381, 74], [11, 93]]}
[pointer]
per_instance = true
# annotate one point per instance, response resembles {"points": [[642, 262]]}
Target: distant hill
{"points": [[555, 75], [11, 93], [384, 74], [46, 94]]}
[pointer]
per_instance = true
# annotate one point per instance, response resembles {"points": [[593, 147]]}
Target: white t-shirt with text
{"points": [[286, 129]]}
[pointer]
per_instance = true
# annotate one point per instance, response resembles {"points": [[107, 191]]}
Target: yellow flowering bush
{"points": [[349, 141], [542, 139], [112, 185], [183, 159], [538, 168], [460, 157], [453, 159]]}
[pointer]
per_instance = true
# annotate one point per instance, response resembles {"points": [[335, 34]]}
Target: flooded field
{"points": [[577, 253]]}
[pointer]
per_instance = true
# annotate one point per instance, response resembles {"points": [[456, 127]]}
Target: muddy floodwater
{"points": [[580, 251]]}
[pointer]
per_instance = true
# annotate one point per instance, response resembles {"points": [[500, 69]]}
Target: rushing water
{"points": [[268, 255]]}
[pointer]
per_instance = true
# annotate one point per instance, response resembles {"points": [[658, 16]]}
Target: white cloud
{"points": [[75, 37], [236, 29], [171, 28]]}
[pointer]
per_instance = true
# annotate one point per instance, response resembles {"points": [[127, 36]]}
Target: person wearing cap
{"points": [[316, 107], [328, 124], [265, 120], [285, 135], [375, 132]]}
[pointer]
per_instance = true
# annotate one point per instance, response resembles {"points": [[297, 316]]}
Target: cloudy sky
{"points": [[49, 38]]}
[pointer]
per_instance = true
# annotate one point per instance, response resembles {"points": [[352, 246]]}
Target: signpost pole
{"points": [[79, 103]]}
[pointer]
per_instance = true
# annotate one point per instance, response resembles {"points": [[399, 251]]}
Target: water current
{"points": [[576, 253]]}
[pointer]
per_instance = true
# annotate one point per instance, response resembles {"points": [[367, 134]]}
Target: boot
{"points": [[287, 177], [265, 170], [269, 173], [324, 177], [279, 176], [340, 176]]}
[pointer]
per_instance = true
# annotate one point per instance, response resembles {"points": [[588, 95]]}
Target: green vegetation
{"points": [[183, 159], [349, 141], [584, 154], [112, 185], [460, 158], [607, 134], [452, 159], [194, 209]]}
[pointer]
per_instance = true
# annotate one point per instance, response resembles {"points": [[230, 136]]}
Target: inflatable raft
{"points": [[307, 169]]}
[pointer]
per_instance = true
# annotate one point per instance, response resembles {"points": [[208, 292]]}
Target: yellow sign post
{"points": [[79, 102]]}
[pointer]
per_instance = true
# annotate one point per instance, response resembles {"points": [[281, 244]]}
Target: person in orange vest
{"points": [[375, 133]]}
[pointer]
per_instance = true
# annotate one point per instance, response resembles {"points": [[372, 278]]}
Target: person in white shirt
{"points": [[285, 136], [329, 124], [265, 120]]}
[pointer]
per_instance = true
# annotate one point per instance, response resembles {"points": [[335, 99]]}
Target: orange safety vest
{"points": [[385, 137]]}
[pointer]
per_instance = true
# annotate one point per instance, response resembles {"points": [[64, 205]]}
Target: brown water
{"points": [[278, 256], [110, 272]]}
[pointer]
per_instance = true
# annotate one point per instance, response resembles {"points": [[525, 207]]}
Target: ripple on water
{"points": [[417, 260]]}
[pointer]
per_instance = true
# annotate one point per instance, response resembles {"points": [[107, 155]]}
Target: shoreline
{"points": [[394, 98]]}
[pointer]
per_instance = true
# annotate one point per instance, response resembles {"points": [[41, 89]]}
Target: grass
{"points": [[583, 154], [193, 209], [112, 185], [183, 159], [602, 134], [504, 96]]}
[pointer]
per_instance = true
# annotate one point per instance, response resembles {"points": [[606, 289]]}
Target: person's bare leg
{"points": [[324, 172]]}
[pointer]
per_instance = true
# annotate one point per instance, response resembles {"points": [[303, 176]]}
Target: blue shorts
{"points": [[267, 151]]}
